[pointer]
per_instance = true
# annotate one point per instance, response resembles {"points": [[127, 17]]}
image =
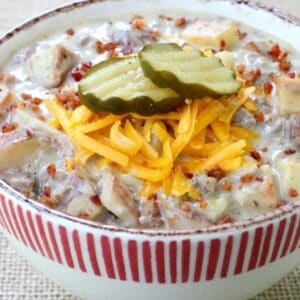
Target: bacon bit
{"points": [[251, 76], [289, 151], [225, 220], [76, 76], [110, 46], [180, 22], [252, 46], [1, 115], [259, 116], [255, 154], [47, 191], [25, 96], [137, 22], [187, 174], [99, 47], [22, 105], [1, 76], [85, 216], [227, 186], [222, 44], [46, 200], [70, 32], [36, 101], [166, 18], [259, 179], [26, 193], [267, 87], [8, 127], [68, 99], [96, 200], [241, 35], [155, 210], [34, 108], [293, 193], [152, 197], [284, 65], [11, 78], [264, 149], [275, 52], [202, 203], [292, 75], [240, 69], [185, 207], [42, 118], [246, 178], [281, 203], [78, 73], [28, 133], [216, 172], [51, 170]]}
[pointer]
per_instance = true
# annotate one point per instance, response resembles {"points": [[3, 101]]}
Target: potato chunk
{"points": [[288, 92], [49, 67], [219, 34], [289, 170]]}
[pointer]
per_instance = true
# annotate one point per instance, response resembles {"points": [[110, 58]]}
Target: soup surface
{"points": [[207, 161]]}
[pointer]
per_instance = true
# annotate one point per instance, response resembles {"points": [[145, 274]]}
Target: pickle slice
{"points": [[119, 86], [189, 73]]}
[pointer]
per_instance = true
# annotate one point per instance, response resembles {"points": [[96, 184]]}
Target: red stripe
{"points": [[66, 246], [2, 216], [255, 248], [133, 260], [227, 257], [54, 242], [160, 261], [7, 217], [173, 261], [185, 260], [25, 228], [107, 257], [43, 236], [242, 252], [296, 239], [35, 236], [199, 261], [214, 254], [266, 245], [3, 224], [288, 239], [119, 258], [15, 219], [77, 245], [147, 262], [92, 254], [278, 239]]}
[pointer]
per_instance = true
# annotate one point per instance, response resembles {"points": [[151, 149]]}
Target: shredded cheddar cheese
{"points": [[194, 138]]}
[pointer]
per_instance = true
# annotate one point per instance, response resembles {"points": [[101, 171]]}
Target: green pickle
{"points": [[189, 73], [119, 86]]}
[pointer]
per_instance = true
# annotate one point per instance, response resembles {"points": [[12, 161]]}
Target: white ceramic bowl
{"points": [[99, 262]]}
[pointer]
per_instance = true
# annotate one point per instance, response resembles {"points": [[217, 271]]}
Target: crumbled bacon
{"points": [[284, 65], [246, 178], [42, 118], [225, 220], [216, 172], [289, 151], [46, 201], [96, 200], [152, 197], [99, 47], [166, 18], [293, 193], [264, 149], [252, 46], [180, 22], [137, 22], [155, 210], [227, 186], [267, 87], [240, 69], [251, 76], [2, 76], [34, 107], [275, 51], [70, 32], [25, 96], [28, 133], [255, 154], [36, 101], [68, 99], [47, 191], [8, 127], [292, 75], [259, 116], [51, 170], [222, 44], [185, 207], [241, 35], [259, 179], [281, 203], [78, 72]]}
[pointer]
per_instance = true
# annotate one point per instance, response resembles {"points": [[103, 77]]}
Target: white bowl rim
{"points": [[285, 210]]}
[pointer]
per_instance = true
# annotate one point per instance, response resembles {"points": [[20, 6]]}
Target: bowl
{"points": [[94, 261]]}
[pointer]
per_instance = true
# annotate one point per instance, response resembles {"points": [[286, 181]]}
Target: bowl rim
{"points": [[285, 210]]}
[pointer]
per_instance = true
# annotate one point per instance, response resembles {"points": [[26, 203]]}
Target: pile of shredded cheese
{"points": [[194, 139]]}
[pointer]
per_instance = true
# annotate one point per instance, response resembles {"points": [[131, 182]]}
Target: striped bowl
{"points": [[100, 262]]}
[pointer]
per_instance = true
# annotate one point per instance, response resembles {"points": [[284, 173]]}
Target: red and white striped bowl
{"points": [[101, 262]]}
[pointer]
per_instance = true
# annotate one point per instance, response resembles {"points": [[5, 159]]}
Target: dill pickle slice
{"points": [[119, 86], [189, 73]]}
